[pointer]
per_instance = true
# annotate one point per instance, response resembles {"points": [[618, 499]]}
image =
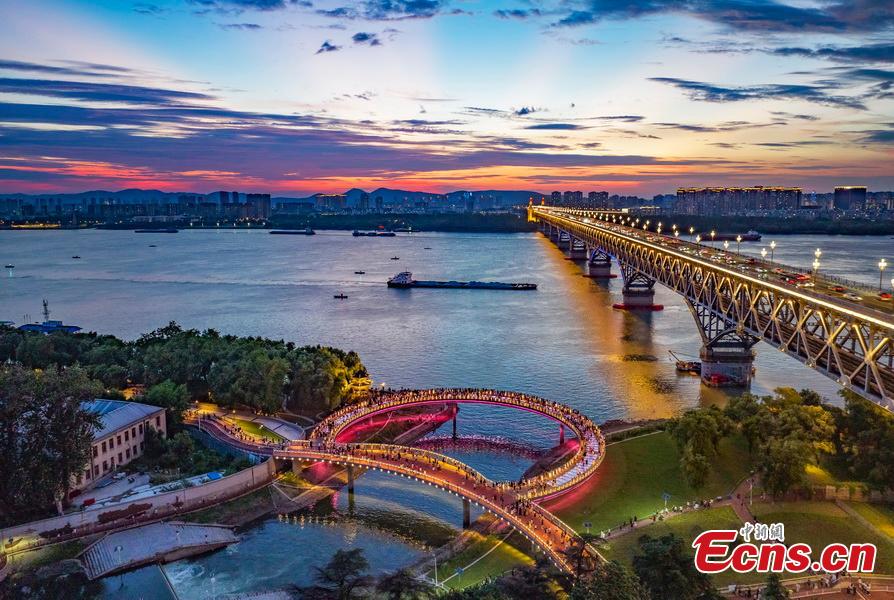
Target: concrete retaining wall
{"points": [[851, 493], [144, 510]]}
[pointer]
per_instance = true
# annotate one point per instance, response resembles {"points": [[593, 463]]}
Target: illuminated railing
{"points": [[576, 469]]}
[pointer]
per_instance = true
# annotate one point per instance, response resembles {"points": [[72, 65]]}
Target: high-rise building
{"points": [[331, 201], [849, 197], [732, 201], [597, 200], [258, 205], [555, 197]]}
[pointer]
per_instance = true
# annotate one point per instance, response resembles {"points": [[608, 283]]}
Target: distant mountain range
{"points": [[389, 196]]}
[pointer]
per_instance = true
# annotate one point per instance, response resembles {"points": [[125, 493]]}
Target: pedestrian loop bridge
{"points": [[514, 502]]}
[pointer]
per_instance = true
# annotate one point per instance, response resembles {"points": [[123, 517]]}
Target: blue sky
{"points": [[322, 95]]}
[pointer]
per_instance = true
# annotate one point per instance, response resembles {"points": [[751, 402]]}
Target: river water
{"points": [[563, 342]]}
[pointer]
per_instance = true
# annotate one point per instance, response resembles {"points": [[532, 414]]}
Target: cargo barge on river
{"points": [[404, 280]]}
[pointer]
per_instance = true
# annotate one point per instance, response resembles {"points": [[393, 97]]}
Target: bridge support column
{"points": [[599, 265], [467, 514], [726, 354], [564, 240], [577, 250], [638, 292], [561, 435], [554, 233], [729, 367], [350, 480], [454, 426]]}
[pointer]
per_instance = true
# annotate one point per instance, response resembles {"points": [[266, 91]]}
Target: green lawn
{"points": [[256, 429], [822, 523], [880, 515], [686, 526], [35, 559], [635, 474], [505, 556], [829, 473]]}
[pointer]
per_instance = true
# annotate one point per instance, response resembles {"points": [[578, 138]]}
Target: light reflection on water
{"points": [[562, 342]]}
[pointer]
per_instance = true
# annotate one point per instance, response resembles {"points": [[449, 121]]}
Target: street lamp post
{"points": [[725, 245], [691, 231], [816, 266], [698, 239], [763, 254], [772, 248], [713, 233], [738, 243], [881, 269]]}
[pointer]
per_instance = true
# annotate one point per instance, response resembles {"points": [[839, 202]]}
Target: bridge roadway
{"points": [[736, 303], [513, 502]]}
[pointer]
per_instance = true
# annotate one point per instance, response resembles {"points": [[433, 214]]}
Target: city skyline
{"points": [[293, 97]]}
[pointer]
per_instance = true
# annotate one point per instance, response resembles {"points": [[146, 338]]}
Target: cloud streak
{"points": [[708, 92]]}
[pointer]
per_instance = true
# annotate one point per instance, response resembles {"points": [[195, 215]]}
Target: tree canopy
{"points": [[45, 436], [788, 431], [262, 374], [668, 572]]}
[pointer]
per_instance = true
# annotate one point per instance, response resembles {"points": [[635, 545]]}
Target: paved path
{"points": [[740, 498], [151, 543]]}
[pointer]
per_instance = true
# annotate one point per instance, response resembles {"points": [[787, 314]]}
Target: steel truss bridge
{"points": [[734, 307]]}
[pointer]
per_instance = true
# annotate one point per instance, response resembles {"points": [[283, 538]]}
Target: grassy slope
{"points": [[635, 474], [686, 526], [506, 556], [822, 523], [256, 429], [880, 515]]}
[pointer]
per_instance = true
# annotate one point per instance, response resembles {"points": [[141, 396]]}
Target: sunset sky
{"points": [[300, 96]]}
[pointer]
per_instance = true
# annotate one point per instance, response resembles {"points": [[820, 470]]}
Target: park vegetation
{"points": [[46, 435], [258, 373], [180, 456], [789, 431]]}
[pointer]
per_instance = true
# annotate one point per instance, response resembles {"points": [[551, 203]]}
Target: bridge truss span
{"points": [[850, 343]]}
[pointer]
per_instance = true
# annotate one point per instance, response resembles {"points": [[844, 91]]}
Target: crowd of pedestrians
{"points": [[591, 443]]}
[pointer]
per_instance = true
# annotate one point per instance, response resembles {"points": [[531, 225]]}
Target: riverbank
{"points": [[769, 225], [446, 222], [442, 222]]}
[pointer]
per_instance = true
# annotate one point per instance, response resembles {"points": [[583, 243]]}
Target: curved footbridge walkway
{"points": [[515, 502]]}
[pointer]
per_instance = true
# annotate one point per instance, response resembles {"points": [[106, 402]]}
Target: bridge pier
{"points": [[467, 514], [561, 435], [727, 367], [638, 292], [599, 265], [350, 480], [577, 249], [726, 353], [564, 240], [554, 234]]}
